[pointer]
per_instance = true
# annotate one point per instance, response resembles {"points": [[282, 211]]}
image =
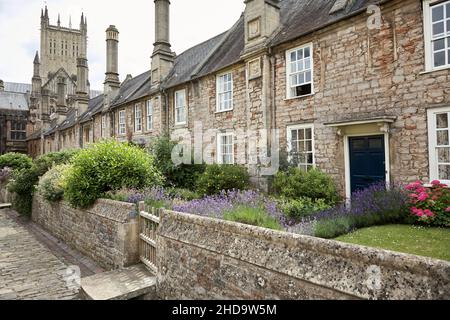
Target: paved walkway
{"points": [[33, 264]]}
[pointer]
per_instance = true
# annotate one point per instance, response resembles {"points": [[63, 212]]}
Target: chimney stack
{"points": [[162, 57], [2, 86], [36, 80], [61, 103], [82, 101], [262, 19], [112, 82]]}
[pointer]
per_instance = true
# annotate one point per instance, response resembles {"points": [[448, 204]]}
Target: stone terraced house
{"points": [[358, 88]]}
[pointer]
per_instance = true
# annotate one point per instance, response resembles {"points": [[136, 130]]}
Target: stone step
{"points": [[5, 205], [121, 284]]}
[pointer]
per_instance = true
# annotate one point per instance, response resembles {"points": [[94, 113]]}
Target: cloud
{"points": [[192, 22]]}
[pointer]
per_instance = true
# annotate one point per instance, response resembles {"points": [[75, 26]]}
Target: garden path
{"points": [[34, 265]]}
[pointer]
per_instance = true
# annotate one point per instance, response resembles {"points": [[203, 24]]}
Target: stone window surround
{"points": [[176, 107], [103, 126], [138, 117], [428, 36], [219, 147], [287, 65], [122, 124], [291, 128], [149, 114], [218, 92], [432, 142]]}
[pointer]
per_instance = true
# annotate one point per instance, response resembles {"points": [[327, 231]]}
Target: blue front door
{"points": [[367, 161]]}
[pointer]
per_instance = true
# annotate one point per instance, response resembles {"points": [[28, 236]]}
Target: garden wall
{"points": [[107, 232], [5, 195], [203, 258]]}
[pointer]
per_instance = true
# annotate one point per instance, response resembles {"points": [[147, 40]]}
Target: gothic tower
{"points": [[61, 46]]}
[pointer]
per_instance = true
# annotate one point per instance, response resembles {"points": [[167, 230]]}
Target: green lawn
{"points": [[421, 241]]}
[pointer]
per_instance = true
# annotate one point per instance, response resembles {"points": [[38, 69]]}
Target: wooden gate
{"points": [[148, 227]]}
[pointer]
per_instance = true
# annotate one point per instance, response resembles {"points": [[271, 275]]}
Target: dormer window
{"points": [[299, 66]]}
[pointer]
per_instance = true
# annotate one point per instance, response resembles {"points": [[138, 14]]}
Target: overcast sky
{"points": [[192, 21]]}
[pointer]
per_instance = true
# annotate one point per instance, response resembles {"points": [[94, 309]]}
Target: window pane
{"points": [[439, 58], [442, 138], [294, 135], [444, 172], [438, 13], [442, 120], [307, 52], [444, 155], [308, 76], [308, 134], [438, 28], [293, 55], [439, 44], [308, 146], [300, 54]]}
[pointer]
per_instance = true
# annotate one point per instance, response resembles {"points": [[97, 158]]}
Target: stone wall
{"points": [[5, 195], [203, 258], [107, 232]]}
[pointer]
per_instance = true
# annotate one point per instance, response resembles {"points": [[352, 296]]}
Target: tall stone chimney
{"points": [[82, 86], [112, 82], [162, 57], [2, 86], [262, 19], [61, 101]]}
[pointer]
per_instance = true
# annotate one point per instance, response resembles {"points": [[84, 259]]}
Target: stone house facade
{"points": [[14, 112], [359, 89]]}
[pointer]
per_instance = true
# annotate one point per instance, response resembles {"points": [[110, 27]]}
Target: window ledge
{"points": [[300, 97], [224, 111], [435, 70]]}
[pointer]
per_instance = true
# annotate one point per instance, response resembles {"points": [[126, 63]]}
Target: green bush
{"points": [[296, 183], [253, 216], [25, 180], [15, 161], [183, 194], [181, 176], [332, 228], [106, 166], [218, 178], [51, 184], [302, 207]]}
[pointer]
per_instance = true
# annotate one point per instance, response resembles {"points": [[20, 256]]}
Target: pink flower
{"points": [[428, 213], [436, 183], [447, 210], [414, 210], [423, 196], [420, 213]]}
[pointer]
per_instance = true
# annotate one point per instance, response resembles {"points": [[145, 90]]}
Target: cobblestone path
{"points": [[33, 264]]}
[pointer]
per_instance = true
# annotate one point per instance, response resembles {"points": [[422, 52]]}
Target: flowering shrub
{"points": [[218, 206], [372, 206], [15, 161], [217, 178], [51, 184], [430, 205]]}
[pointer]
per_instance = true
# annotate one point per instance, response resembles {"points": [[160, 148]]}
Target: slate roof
{"points": [[129, 88], [95, 107], [187, 63], [13, 101], [17, 87], [300, 17]]}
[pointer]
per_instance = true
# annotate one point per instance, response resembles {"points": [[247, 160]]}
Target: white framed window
{"points": [[301, 145], [225, 148], [122, 123], [180, 107], [437, 34], [137, 118], [439, 144], [149, 107], [299, 71], [224, 84], [103, 128]]}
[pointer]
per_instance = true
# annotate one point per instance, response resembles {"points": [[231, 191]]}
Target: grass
{"points": [[253, 216], [421, 241]]}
